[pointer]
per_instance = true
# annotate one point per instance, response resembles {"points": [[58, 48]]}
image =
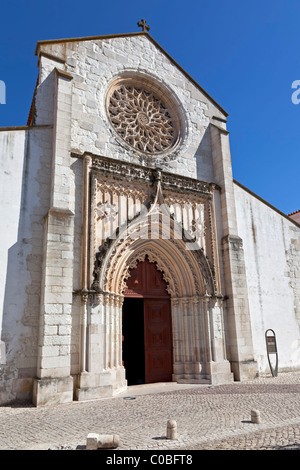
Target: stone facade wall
{"points": [[95, 64], [53, 338], [272, 258], [70, 118], [91, 66]]}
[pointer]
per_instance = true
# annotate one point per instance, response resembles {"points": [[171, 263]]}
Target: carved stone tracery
{"points": [[142, 117], [188, 268], [161, 264], [112, 181]]}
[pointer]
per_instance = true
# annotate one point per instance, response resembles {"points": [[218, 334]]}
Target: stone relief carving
{"points": [[131, 172], [161, 264], [112, 184]]}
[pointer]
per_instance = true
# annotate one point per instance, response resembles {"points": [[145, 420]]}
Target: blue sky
{"points": [[244, 54]]}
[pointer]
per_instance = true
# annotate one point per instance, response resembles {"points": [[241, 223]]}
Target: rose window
{"points": [[142, 118]]}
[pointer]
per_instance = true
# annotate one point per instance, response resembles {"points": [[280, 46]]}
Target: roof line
{"points": [[25, 128], [188, 76], [267, 203], [87, 38], [32, 106], [295, 212], [140, 33]]}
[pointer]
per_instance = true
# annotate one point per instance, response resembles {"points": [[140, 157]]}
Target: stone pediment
{"points": [[57, 49]]}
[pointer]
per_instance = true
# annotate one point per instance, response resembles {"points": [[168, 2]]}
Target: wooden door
{"points": [[147, 282], [157, 337]]}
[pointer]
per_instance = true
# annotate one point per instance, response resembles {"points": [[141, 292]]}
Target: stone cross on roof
{"points": [[142, 24]]}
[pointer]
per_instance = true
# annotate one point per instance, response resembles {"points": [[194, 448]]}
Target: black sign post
{"points": [[272, 349]]}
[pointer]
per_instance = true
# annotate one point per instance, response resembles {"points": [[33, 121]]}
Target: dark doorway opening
{"points": [[146, 327], [133, 340]]}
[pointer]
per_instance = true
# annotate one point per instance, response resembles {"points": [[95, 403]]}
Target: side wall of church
{"points": [[272, 258], [25, 166], [12, 147]]}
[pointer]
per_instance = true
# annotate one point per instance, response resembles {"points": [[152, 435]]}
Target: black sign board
{"points": [[271, 344], [272, 349]]}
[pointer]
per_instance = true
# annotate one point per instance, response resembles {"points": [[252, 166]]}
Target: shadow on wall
{"points": [[204, 162], [77, 171], [21, 305], [14, 294]]}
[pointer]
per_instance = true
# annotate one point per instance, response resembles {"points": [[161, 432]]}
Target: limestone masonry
{"points": [[124, 168]]}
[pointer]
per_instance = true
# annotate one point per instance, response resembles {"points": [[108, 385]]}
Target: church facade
{"points": [[129, 253]]}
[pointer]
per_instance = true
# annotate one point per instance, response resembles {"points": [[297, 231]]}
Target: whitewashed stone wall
{"points": [[272, 259], [25, 166], [12, 148]]}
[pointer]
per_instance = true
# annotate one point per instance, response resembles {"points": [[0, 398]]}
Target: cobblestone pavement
{"points": [[211, 418]]}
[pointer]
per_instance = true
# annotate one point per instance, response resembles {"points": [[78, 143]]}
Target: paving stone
{"points": [[216, 418]]}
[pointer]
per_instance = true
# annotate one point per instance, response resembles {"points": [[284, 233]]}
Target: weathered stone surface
{"points": [[102, 441]]}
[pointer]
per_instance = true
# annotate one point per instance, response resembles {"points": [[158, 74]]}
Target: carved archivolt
{"points": [[133, 219], [182, 271], [142, 115], [161, 264]]}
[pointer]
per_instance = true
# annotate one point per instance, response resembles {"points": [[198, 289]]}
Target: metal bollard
{"points": [[171, 429], [255, 417]]}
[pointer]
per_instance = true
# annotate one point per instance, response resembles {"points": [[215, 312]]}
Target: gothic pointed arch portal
{"points": [[198, 351], [198, 347]]}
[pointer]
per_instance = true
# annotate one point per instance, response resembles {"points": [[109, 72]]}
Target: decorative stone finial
{"points": [[142, 24]]}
